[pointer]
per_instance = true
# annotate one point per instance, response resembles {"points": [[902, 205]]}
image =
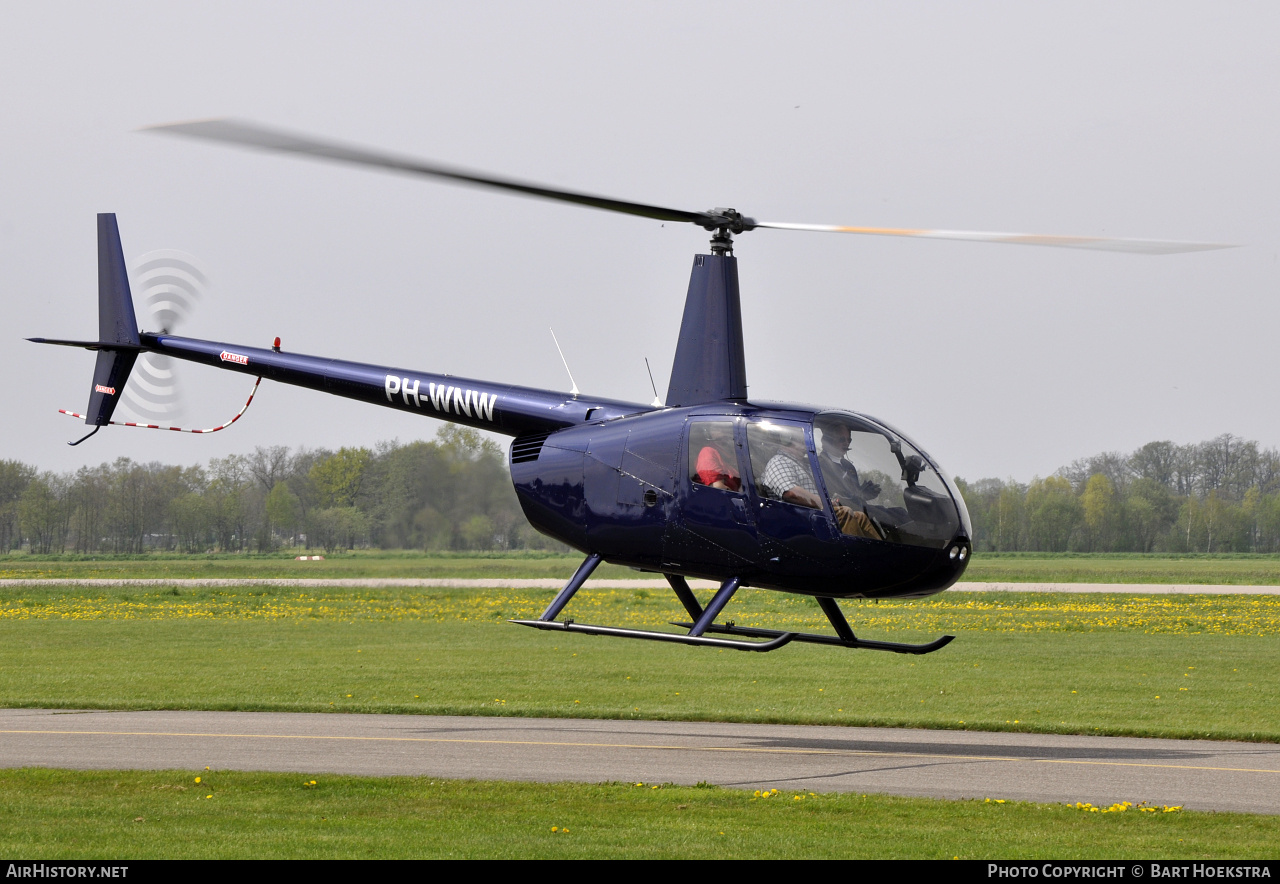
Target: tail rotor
{"points": [[170, 283]]}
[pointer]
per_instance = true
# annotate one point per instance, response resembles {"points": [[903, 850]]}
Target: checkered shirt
{"points": [[783, 473]]}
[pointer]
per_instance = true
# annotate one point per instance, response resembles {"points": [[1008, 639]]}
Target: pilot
{"points": [[713, 467], [787, 474], [849, 496]]}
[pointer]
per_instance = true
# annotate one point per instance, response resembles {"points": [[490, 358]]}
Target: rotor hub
{"points": [[725, 223]]}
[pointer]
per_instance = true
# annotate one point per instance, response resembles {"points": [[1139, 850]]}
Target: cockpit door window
{"points": [[880, 485]]}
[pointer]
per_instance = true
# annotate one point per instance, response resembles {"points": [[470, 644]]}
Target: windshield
{"points": [[880, 485]]}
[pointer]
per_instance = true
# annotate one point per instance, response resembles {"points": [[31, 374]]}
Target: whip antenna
{"points": [[657, 402], [572, 382]]}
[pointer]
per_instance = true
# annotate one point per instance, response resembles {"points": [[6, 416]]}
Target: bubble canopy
{"points": [[879, 476]]}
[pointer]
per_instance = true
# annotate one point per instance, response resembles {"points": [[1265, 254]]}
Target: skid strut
{"points": [[575, 583]]}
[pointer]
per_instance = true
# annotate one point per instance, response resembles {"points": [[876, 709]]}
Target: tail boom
{"points": [[501, 408]]}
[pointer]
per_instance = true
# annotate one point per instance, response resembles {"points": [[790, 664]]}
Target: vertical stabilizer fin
{"points": [[116, 325], [116, 321], [710, 364]]}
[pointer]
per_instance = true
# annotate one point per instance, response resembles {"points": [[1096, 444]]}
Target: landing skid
{"points": [[704, 621], [778, 639], [816, 639]]}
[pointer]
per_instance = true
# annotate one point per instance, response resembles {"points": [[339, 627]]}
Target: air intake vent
{"points": [[527, 448]]}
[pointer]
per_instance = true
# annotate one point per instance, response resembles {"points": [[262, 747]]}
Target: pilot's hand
{"points": [[870, 490]]}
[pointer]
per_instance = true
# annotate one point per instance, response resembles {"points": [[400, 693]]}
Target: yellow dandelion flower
{"points": [[197, 779]]}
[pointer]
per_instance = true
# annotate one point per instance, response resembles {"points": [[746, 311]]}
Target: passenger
{"points": [[787, 474], [849, 495], [714, 460]]}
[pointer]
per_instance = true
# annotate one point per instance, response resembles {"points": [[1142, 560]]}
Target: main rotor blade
{"points": [[1098, 243], [263, 138], [251, 135]]}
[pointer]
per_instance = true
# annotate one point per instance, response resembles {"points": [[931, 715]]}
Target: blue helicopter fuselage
{"points": [[627, 489]]}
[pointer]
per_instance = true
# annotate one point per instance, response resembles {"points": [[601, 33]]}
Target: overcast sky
{"points": [[1150, 120]]}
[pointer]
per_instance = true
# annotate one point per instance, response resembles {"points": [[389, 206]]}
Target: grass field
{"points": [[1174, 666], [141, 815], [1253, 570]]}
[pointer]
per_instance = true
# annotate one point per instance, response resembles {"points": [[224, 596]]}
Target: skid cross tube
{"points": [[575, 583]]}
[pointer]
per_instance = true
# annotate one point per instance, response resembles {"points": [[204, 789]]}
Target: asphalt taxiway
{"points": [[1202, 775]]}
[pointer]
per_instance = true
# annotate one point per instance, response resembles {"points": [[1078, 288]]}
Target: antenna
{"points": [[574, 391], [657, 402]]}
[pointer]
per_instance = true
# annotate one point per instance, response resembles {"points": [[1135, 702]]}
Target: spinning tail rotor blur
{"points": [[170, 283]]}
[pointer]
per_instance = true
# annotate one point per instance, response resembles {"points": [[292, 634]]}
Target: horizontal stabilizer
{"points": [[88, 345]]}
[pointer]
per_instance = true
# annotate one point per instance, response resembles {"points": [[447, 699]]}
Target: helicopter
{"points": [[707, 483]]}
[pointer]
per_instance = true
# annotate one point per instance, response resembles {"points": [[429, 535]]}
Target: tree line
{"points": [[451, 493], [454, 493], [1222, 495]]}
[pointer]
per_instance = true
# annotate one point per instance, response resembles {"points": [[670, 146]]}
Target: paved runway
{"points": [[1200, 775]]}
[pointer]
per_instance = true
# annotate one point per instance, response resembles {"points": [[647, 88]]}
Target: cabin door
{"points": [[718, 528]]}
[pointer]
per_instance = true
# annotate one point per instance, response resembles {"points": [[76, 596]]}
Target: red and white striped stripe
{"points": [[175, 429]]}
